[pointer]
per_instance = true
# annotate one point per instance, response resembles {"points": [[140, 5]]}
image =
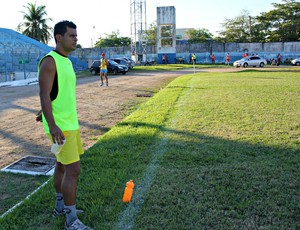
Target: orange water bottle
{"points": [[128, 191]]}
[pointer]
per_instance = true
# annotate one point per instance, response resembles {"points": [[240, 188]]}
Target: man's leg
{"points": [[69, 186], [58, 177], [101, 78], [106, 79]]}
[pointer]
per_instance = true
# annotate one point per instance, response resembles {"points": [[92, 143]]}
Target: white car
{"points": [[296, 61], [250, 61]]}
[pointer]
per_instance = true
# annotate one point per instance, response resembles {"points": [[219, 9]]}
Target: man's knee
{"points": [[73, 169]]}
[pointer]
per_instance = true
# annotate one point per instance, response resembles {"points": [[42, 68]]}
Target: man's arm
{"points": [[46, 79]]}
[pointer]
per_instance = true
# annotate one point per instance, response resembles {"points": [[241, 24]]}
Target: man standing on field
{"points": [[57, 81], [103, 70]]}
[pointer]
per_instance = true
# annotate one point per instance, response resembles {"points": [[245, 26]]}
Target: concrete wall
{"points": [[166, 16], [268, 50]]}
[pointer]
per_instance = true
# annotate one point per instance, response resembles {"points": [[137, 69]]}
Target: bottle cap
{"points": [[130, 184]]}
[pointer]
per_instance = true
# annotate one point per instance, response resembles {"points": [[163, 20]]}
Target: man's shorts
{"points": [[103, 70], [72, 149]]}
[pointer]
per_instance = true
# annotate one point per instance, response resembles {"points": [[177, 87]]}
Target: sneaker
{"points": [[101, 84], [76, 225], [56, 213], [106, 84]]}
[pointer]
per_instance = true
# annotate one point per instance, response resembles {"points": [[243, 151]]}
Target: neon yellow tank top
{"points": [[64, 105], [103, 64]]}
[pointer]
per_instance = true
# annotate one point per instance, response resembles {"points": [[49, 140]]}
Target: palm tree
{"points": [[35, 23]]}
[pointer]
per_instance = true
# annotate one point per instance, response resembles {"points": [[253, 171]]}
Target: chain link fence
{"points": [[18, 60]]}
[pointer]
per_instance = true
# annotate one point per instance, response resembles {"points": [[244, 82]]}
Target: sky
{"points": [[96, 18]]}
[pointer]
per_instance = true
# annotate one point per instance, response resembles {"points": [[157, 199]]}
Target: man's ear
{"points": [[58, 37]]}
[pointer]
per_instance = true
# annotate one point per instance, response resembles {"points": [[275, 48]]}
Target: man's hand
{"points": [[57, 135]]}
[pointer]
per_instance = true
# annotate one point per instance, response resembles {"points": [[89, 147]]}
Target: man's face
{"points": [[69, 40]]}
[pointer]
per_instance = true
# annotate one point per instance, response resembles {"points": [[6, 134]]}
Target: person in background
{"points": [[245, 55], [163, 59], [57, 83], [167, 59], [213, 59], [194, 58], [273, 61], [279, 59], [227, 59], [180, 60], [103, 69]]}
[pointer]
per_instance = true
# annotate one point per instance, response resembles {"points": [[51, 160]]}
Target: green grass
{"points": [[209, 151], [15, 187]]}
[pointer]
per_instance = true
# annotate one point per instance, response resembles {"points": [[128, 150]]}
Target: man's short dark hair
{"points": [[61, 27]]}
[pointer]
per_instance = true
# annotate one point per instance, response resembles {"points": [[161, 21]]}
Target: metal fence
{"points": [[18, 61], [20, 55]]}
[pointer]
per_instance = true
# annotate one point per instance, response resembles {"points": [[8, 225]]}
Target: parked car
{"points": [[251, 61], [296, 61], [122, 61], [112, 67], [132, 62]]}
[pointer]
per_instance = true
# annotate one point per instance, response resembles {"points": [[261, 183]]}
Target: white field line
{"points": [[26, 198], [127, 217], [194, 67]]}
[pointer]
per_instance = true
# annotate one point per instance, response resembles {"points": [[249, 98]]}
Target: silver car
{"points": [[132, 62], [122, 61], [250, 61], [296, 61]]}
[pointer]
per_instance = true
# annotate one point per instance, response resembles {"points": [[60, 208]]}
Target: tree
{"points": [[198, 36], [282, 23], [166, 34], [238, 29], [151, 34], [35, 23], [195, 36], [113, 40]]}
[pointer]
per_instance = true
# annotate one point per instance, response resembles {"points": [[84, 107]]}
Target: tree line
{"points": [[281, 24]]}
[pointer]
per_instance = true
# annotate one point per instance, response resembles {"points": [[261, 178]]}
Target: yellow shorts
{"points": [[72, 149]]}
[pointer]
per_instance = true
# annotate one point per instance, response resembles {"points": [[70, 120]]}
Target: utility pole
{"points": [[250, 28], [138, 29]]}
